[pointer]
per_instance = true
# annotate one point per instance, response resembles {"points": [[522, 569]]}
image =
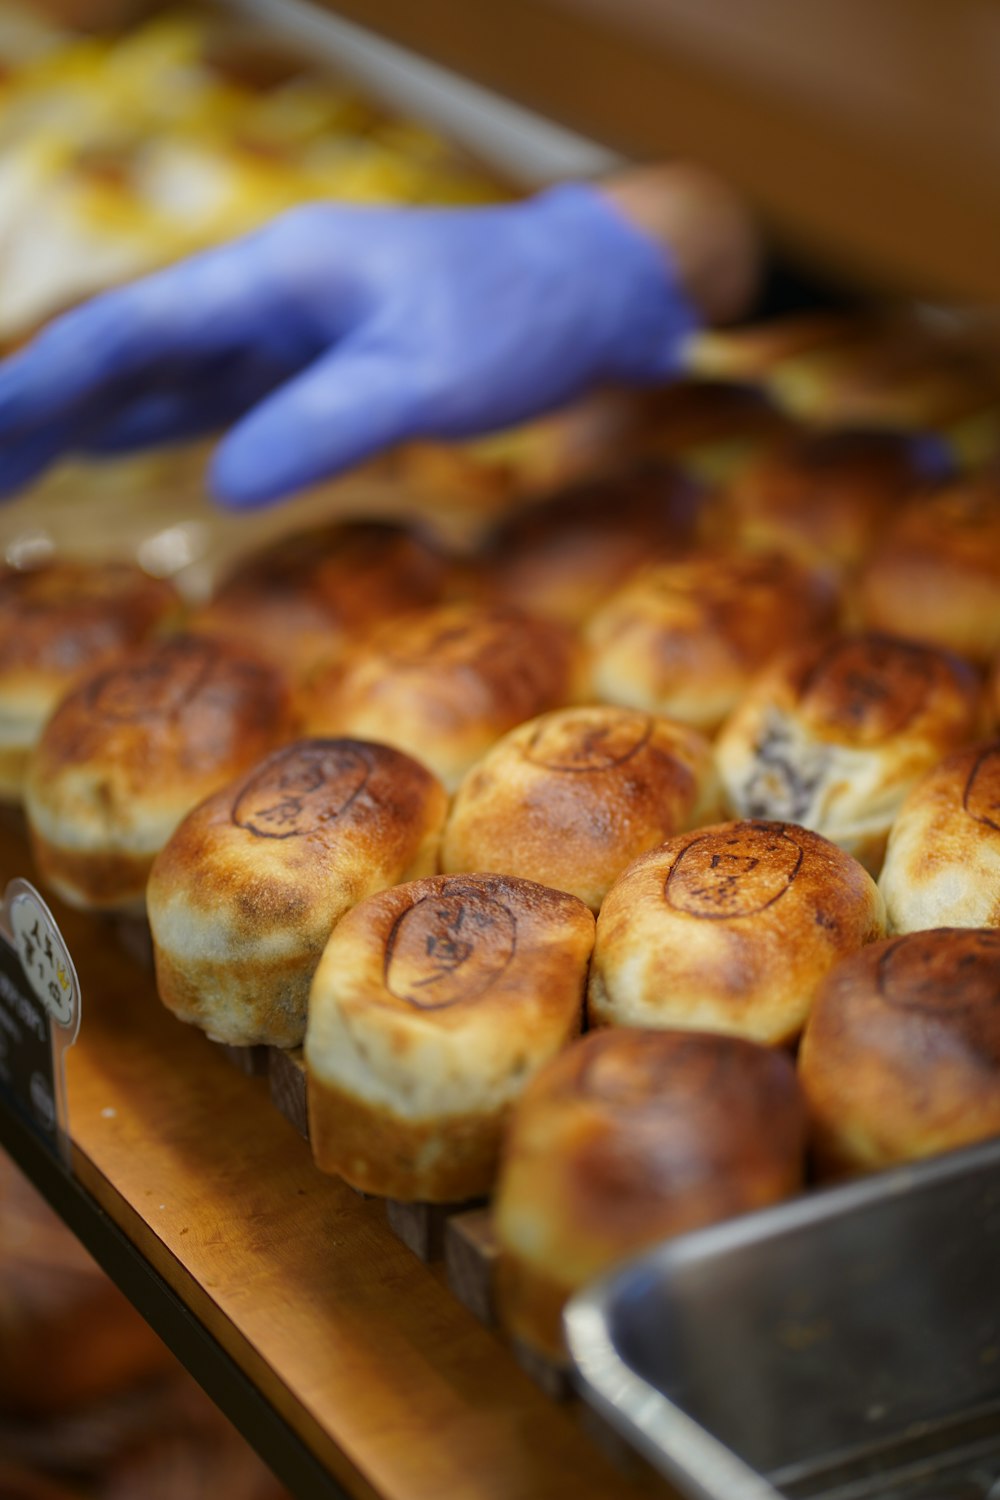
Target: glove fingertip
{"points": [[240, 478]]}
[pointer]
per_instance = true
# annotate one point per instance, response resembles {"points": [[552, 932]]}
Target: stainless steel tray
{"points": [[843, 1345]]}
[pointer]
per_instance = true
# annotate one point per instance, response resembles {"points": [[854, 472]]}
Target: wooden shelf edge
{"points": [[168, 1314]]}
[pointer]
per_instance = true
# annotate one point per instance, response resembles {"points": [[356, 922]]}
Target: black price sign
{"points": [[39, 1014]]}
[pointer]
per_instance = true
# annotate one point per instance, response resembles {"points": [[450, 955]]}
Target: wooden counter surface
{"points": [[385, 1377]]}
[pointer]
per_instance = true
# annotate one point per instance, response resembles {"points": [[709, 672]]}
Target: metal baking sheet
{"points": [[844, 1345]]}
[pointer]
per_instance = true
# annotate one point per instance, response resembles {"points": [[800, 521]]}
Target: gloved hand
{"points": [[336, 331]]}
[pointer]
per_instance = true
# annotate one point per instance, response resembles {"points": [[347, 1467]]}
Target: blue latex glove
{"points": [[336, 331]]}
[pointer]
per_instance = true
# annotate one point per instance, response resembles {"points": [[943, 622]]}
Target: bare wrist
{"points": [[703, 225]]}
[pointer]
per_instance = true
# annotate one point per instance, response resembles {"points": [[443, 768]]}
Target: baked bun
{"points": [[563, 557], [942, 864], [824, 496], [901, 1056], [730, 928], [685, 638], [459, 485], [300, 599], [836, 734], [710, 428], [936, 576], [753, 351], [444, 684], [433, 1004], [59, 621], [897, 376], [627, 1138], [570, 798], [130, 750], [243, 896]]}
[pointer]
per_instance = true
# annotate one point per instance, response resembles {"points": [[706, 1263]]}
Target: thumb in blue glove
{"points": [[336, 331]]}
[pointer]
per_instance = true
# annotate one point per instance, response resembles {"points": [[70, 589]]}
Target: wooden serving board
{"points": [[365, 1352]]}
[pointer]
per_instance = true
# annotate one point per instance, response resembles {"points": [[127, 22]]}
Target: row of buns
{"points": [[441, 1011], [672, 621], [631, 1136], [901, 1053], [833, 736], [442, 1018]]}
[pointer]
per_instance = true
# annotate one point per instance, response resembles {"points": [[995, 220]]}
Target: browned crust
{"points": [[63, 618], [683, 635], [276, 995], [181, 709], [570, 798], [530, 1303], [943, 863], [298, 600], [629, 1137], [869, 688], [282, 854], [742, 917], [564, 556], [93, 880], [901, 1056], [447, 993], [688, 415], [444, 684], [751, 351], [132, 748], [869, 691], [936, 576], [824, 495], [319, 816], [438, 944], [383, 1153]]}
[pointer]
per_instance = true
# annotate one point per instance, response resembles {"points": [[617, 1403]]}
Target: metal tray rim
{"points": [[676, 1445]]}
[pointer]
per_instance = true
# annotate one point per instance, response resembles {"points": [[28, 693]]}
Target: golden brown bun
{"points": [[994, 696], [942, 864], [444, 684], [462, 486], [244, 895], [685, 638], [730, 928], [132, 749], [59, 621], [825, 497], [710, 428], [834, 735], [894, 375], [433, 1004], [300, 599], [627, 1138], [753, 351], [901, 1056], [564, 556], [936, 576], [570, 798]]}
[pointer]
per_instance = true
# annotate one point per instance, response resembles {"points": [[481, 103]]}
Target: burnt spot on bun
{"points": [[450, 946], [302, 788], [981, 796], [738, 871], [577, 742]]}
